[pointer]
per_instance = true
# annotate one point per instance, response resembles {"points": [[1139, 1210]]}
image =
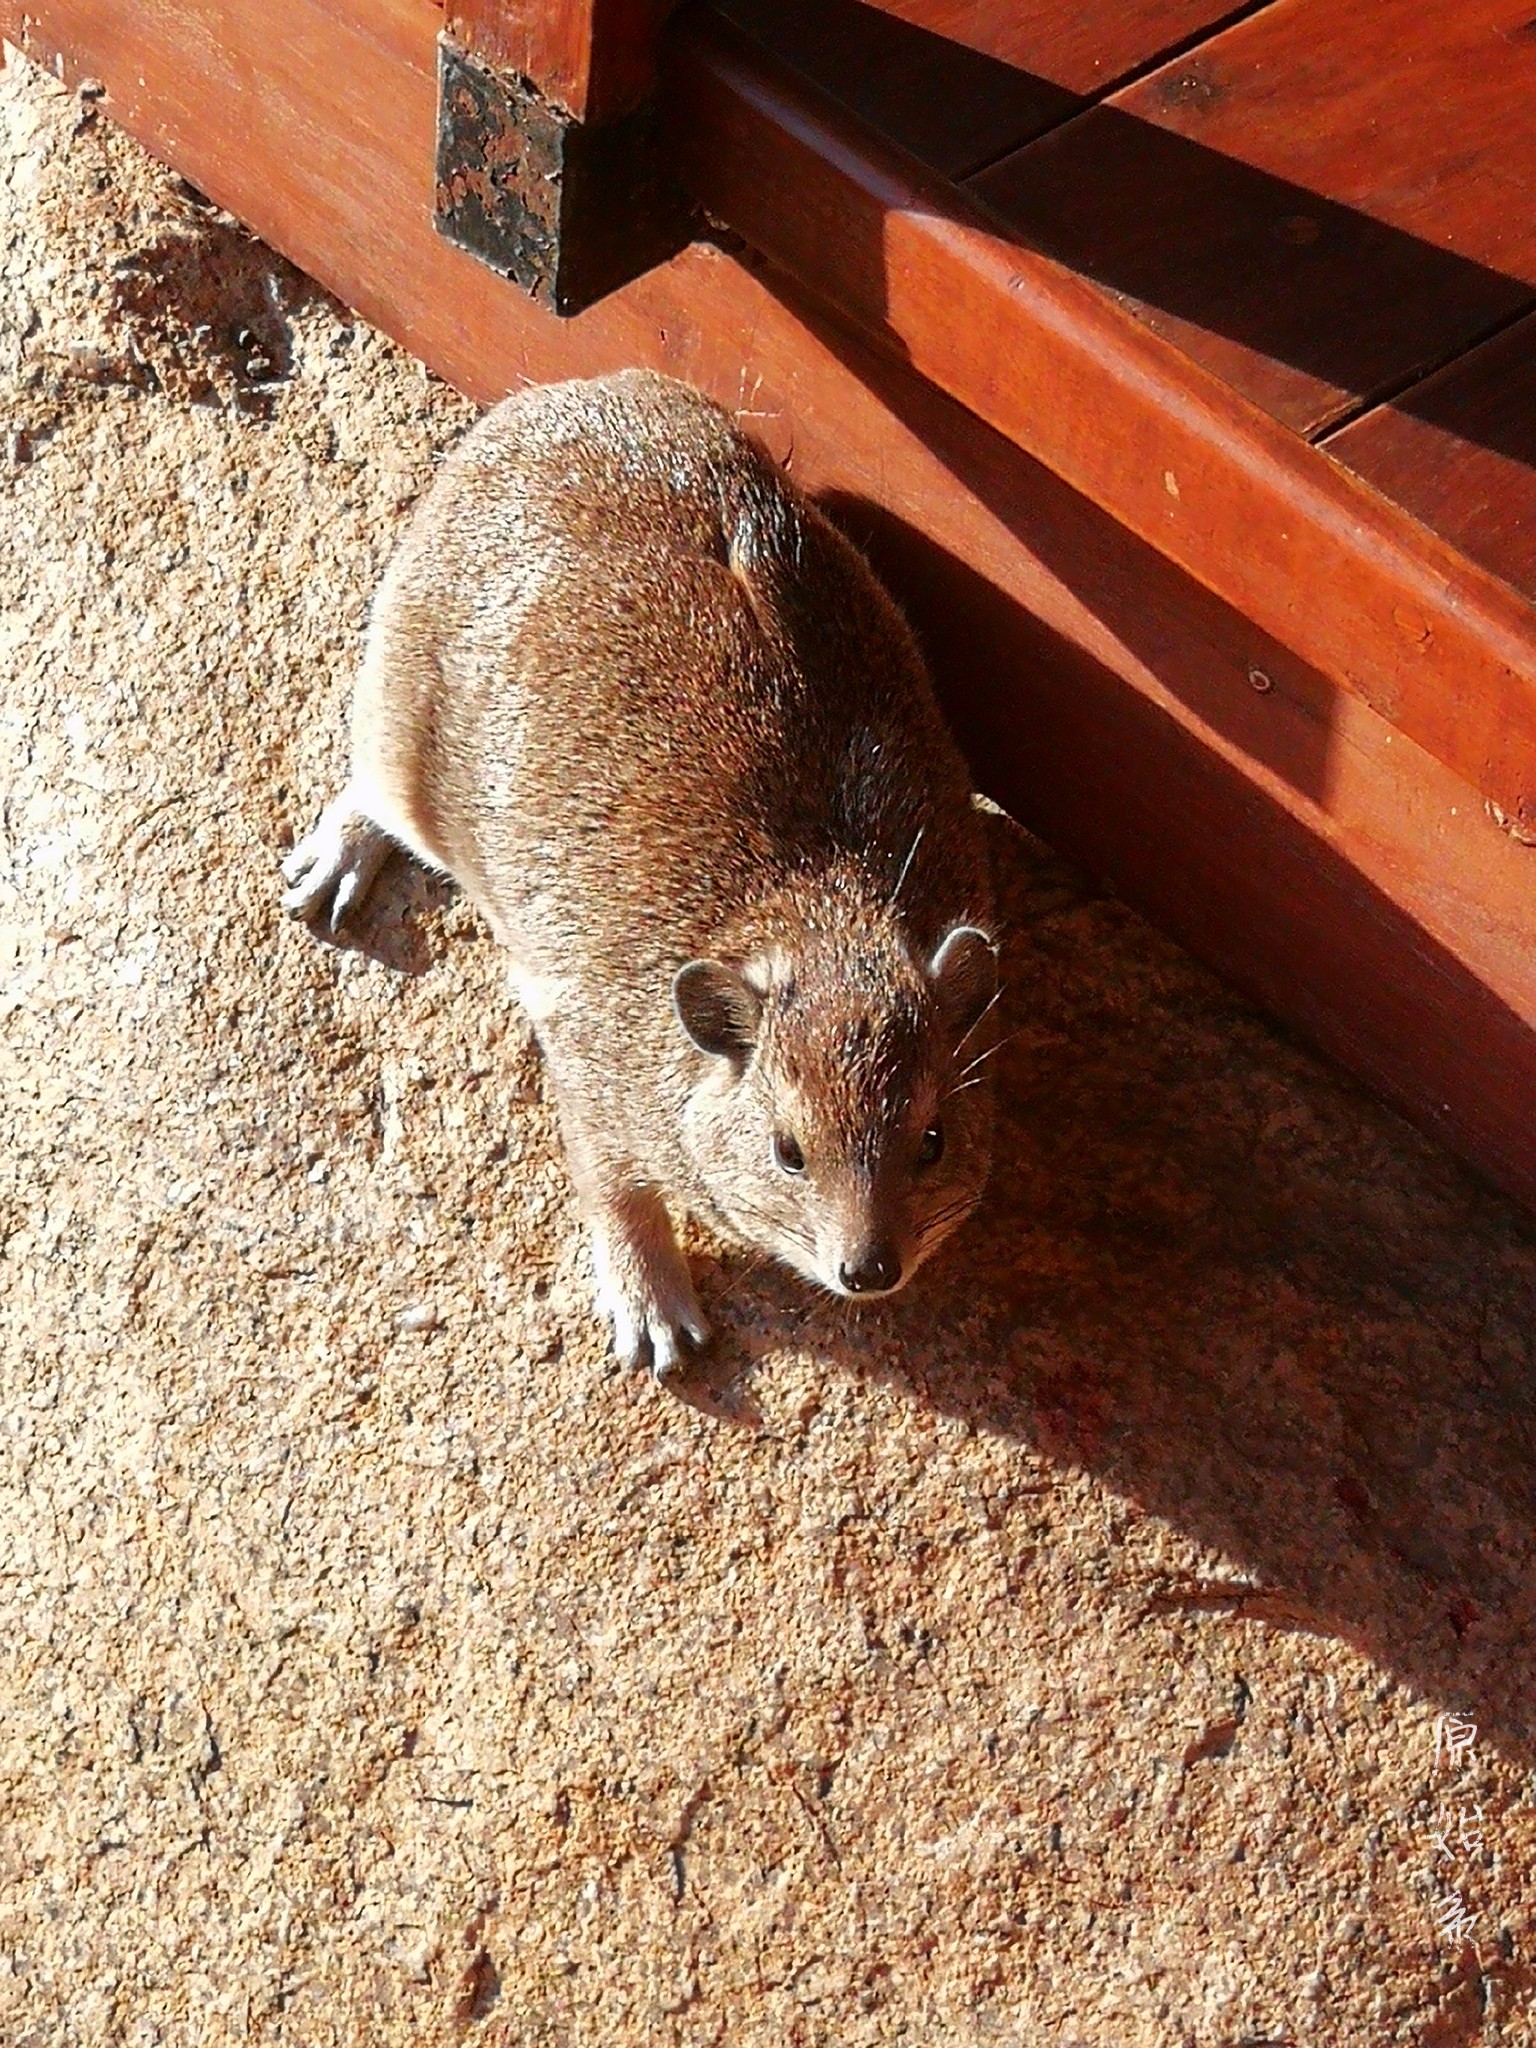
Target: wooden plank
{"points": [[1459, 451], [959, 82], [1291, 541], [1317, 204], [595, 59], [1322, 861]]}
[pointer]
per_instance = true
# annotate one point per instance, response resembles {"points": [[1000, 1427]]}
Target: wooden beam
{"points": [[1351, 584], [569, 210], [547, 164], [1459, 451], [594, 59]]}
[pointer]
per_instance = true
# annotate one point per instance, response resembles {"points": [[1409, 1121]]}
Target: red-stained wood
{"points": [[596, 59], [1317, 204], [959, 82], [1459, 451], [1288, 833], [1348, 581]]}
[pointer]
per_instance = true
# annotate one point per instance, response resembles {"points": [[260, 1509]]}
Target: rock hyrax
{"points": [[657, 718]]}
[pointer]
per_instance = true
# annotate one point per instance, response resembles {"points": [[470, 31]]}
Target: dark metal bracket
{"points": [[569, 211]]}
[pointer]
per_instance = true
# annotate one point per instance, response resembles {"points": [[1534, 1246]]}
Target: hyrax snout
{"points": [[658, 719]]}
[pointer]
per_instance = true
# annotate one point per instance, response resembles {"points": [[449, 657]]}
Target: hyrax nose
{"points": [[875, 1271]]}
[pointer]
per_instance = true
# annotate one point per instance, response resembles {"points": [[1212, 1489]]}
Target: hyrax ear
{"points": [[719, 1011], [963, 971]]}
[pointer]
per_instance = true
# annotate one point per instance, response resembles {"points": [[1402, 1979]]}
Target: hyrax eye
{"points": [[931, 1150], [787, 1154]]}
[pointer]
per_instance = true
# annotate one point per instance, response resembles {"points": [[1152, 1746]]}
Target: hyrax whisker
{"points": [[976, 1023], [971, 1066], [906, 866], [750, 1266]]}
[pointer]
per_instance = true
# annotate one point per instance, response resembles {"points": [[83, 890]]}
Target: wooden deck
{"points": [[1323, 204], [1177, 361]]}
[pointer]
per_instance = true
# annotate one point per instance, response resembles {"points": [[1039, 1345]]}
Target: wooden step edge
{"points": [[1313, 556]]}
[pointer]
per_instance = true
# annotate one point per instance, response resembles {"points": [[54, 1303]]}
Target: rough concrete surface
{"points": [[1057, 1654]]}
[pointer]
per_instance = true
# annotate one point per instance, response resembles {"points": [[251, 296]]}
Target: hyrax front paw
{"points": [[335, 864], [644, 1292]]}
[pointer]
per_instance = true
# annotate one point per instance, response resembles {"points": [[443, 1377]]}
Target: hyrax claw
{"points": [[334, 865], [645, 1295]]}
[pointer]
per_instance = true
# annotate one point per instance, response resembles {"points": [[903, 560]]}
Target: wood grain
{"points": [[1459, 451], [1291, 541], [1291, 835], [960, 82], [595, 59], [1318, 204]]}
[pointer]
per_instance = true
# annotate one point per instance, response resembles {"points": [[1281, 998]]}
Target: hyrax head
{"points": [[838, 1122]]}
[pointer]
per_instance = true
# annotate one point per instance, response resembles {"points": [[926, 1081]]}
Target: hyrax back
{"points": [[661, 723]]}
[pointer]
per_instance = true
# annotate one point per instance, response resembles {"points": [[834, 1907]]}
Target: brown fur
{"points": [[647, 706]]}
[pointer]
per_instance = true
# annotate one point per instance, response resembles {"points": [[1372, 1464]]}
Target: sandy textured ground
{"points": [[1055, 1655]]}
